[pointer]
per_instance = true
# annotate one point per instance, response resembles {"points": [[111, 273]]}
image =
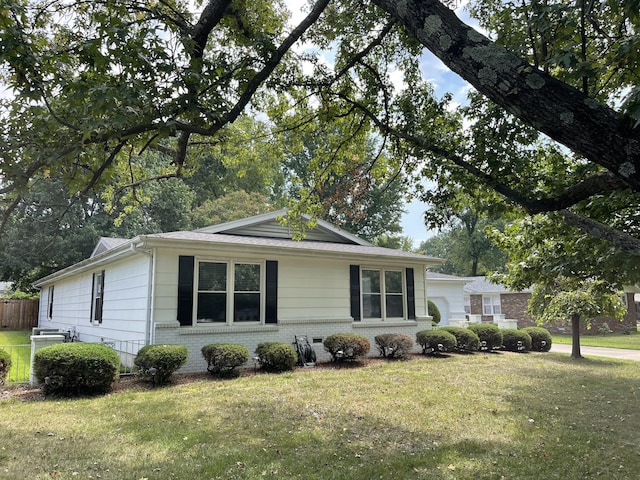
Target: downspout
{"points": [[150, 292], [426, 300]]}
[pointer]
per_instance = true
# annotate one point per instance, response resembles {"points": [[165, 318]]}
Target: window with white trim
{"points": [[467, 304], [491, 305], [383, 293], [229, 292]]}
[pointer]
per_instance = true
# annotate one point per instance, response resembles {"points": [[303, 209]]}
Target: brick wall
{"points": [[514, 306]]}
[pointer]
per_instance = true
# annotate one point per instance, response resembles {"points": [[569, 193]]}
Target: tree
{"points": [[567, 283], [35, 242], [468, 250], [233, 206], [94, 81], [578, 301]]}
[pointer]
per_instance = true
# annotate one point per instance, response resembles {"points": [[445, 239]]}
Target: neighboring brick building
{"points": [[491, 301]]}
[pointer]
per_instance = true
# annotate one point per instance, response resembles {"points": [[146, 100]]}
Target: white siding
{"points": [[124, 305], [448, 296]]}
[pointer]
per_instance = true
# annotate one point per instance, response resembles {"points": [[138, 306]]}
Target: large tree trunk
{"points": [[565, 114], [575, 337]]}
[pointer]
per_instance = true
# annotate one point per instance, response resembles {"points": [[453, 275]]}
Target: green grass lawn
{"points": [[611, 340], [20, 356], [511, 416]]}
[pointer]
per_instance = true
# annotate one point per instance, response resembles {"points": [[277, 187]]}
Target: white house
{"points": [[447, 293], [241, 282]]}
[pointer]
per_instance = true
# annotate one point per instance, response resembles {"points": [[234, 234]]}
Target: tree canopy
{"points": [[94, 86]]}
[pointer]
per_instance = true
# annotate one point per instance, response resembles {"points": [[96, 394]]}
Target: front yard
{"points": [[610, 340], [480, 416]]}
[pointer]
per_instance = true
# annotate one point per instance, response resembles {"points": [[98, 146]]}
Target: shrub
{"points": [[346, 346], [394, 345], [5, 365], [223, 358], [159, 362], [467, 340], [436, 341], [276, 357], [511, 337], [434, 311], [69, 369], [540, 338], [488, 333]]}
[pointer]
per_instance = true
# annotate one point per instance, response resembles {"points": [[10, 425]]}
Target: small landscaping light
{"points": [[152, 371], [256, 360]]}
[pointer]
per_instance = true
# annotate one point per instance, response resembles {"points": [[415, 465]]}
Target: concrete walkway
{"points": [[619, 353]]}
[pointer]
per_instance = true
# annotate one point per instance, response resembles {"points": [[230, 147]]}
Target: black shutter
{"points": [[185, 290], [93, 298], [271, 293], [354, 284], [411, 295]]}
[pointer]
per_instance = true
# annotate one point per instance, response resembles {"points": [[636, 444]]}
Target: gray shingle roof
{"points": [[482, 285], [307, 245]]}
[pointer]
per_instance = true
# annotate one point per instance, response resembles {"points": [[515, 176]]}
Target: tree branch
{"points": [[586, 126], [623, 241]]}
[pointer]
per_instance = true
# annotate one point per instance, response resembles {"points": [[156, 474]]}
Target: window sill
{"points": [[224, 328], [384, 323]]}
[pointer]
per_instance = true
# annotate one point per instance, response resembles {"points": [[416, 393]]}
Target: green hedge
{"points": [[70, 369], [394, 345], [346, 346], [436, 341], [276, 357], [511, 337], [540, 338], [5, 365], [488, 333], [224, 358], [434, 312], [159, 362], [467, 341]]}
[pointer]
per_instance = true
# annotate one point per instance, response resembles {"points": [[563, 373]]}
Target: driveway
{"points": [[619, 353]]}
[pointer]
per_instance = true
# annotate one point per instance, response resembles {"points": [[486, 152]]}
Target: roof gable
{"points": [[268, 226], [107, 243]]}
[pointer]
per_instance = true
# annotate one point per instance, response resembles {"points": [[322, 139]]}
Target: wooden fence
{"points": [[18, 314]]}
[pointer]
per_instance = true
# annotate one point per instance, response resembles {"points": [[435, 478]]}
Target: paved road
{"points": [[618, 353]]}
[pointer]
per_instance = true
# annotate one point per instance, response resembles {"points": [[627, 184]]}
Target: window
{"points": [[467, 304], [491, 305], [212, 292], [97, 297], [229, 291], [382, 293], [50, 303]]}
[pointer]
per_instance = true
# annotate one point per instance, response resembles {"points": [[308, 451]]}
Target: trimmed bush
{"points": [[434, 311], [346, 346], [436, 341], [488, 333], [5, 365], [511, 337], [159, 362], [540, 338], [467, 340], [276, 357], [224, 358], [394, 345], [69, 369]]}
